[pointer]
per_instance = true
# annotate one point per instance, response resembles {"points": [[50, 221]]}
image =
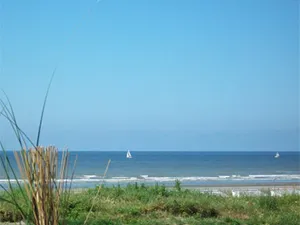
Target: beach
{"points": [[224, 190], [249, 190]]}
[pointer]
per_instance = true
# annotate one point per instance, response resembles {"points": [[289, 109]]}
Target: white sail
{"points": [[128, 155], [277, 155]]}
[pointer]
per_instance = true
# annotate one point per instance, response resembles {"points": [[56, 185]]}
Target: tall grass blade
{"points": [[45, 183], [43, 109], [12, 115], [97, 194], [9, 166]]}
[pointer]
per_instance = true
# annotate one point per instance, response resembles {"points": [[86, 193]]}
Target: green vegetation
{"points": [[141, 204], [38, 199]]}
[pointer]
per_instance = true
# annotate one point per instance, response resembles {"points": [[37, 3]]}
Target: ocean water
{"points": [[191, 168]]}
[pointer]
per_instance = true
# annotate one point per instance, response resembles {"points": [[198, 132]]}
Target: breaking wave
{"points": [[146, 178]]}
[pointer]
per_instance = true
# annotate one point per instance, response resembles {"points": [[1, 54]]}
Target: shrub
{"points": [[268, 202]]}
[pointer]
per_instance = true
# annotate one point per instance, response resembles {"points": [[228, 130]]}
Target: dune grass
{"points": [[141, 204], [46, 182], [45, 178], [45, 185]]}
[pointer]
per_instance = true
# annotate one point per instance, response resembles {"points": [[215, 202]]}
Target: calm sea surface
{"points": [[191, 168]]}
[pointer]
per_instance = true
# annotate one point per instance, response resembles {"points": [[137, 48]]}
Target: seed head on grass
{"points": [[45, 184]]}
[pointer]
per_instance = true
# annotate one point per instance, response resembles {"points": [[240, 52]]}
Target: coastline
{"points": [[248, 185], [248, 190], [289, 187]]}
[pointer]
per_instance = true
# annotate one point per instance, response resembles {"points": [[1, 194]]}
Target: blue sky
{"points": [[154, 75]]}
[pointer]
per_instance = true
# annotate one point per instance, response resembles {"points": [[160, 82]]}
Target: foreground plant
{"points": [[45, 182], [45, 187]]}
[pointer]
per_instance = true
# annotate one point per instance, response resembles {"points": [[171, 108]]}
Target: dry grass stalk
{"points": [[98, 192], [45, 187], [45, 182]]}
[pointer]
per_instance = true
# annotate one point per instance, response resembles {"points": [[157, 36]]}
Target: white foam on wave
{"points": [[89, 176], [11, 180], [224, 177], [275, 176], [146, 178]]}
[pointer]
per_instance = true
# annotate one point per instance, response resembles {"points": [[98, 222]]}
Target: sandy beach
{"points": [[249, 190], [289, 185]]}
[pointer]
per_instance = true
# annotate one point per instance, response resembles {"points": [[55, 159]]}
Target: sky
{"points": [[207, 75]]}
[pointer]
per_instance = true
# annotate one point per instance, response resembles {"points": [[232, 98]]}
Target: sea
{"points": [[190, 168]]}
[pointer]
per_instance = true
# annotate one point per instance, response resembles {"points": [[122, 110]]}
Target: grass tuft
{"points": [[46, 185]]}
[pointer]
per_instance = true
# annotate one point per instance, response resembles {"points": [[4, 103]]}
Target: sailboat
{"points": [[128, 155], [277, 155]]}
